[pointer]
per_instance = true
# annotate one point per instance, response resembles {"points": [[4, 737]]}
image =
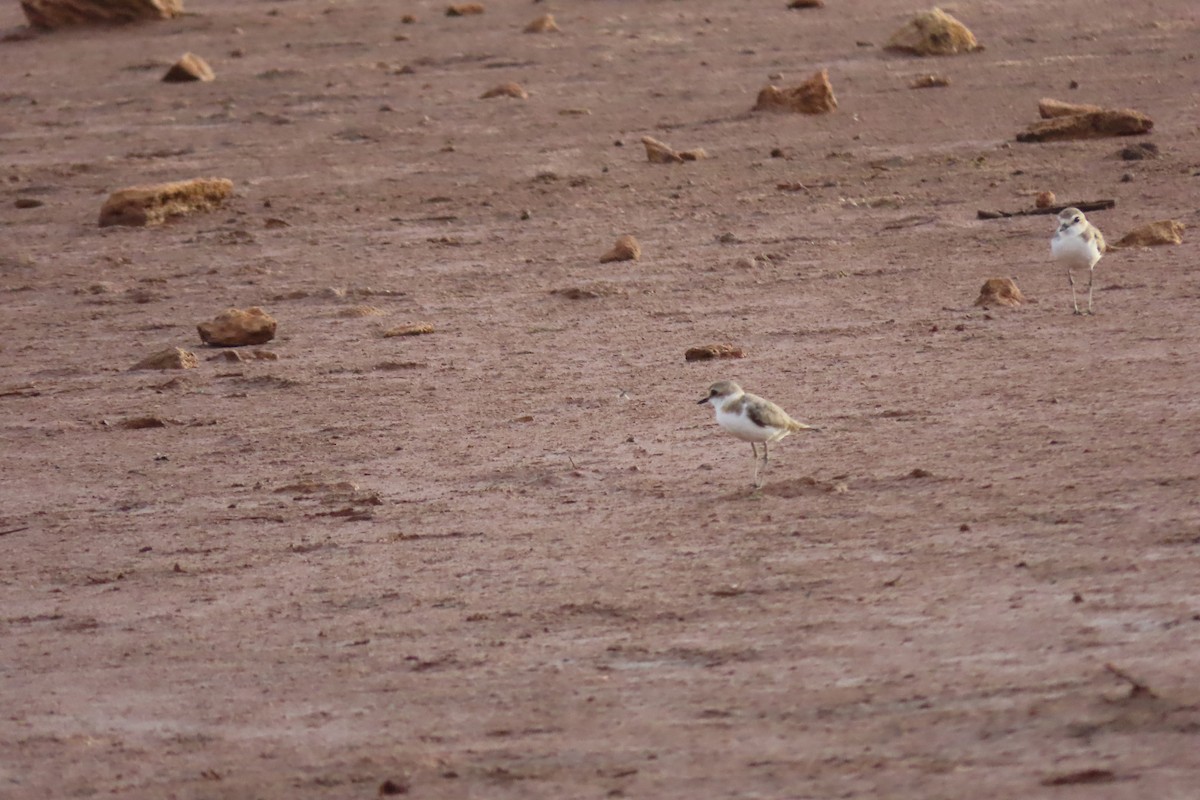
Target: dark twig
{"points": [[1089, 205], [13, 530]]}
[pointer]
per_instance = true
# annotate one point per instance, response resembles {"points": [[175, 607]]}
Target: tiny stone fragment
{"points": [[710, 351], [929, 82], [464, 9], [152, 205], [933, 33], [814, 96], [1139, 151], [1000, 292], [235, 327], [413, 329], [190, 67], [506, 90], [1165, 231], [172, 358], [625, 249], [543, 24]]}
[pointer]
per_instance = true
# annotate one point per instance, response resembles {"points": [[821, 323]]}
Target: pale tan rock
{"points": [[412, 329], [625, 249], [1044, 200], [1000, 292], [171, 358], [660, 152], [929, 82], [190, 67], [814, 96], [1049, 108], [933, 33], [152, 205], [235, 327], [711, 351], [1165, 231], [50, 14], [543, 24], [506, 90], [464, 9], [1089, 125]]}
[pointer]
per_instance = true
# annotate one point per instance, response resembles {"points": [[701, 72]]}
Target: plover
{"points": [[751, 418], [1077, 243]]}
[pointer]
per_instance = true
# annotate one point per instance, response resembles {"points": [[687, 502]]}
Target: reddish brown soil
{"points": [[513, 558]]}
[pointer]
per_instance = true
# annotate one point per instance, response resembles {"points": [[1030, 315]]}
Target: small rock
{"points": [[236, 328], [933, 33], [929, 82], [1139, 151], [806, 4], [152, 205], [413, 329], [1044, 200], [1057, 127], [1049, 108], [509, 89], [464, 9], [710, 351], [814, 96], [1166, 231], [662, 153], [50, 14], [190, 67], [357, 312], [625, 249], [408, 19], [543, 24], [391, 787], [1000, 292], [142, 423], [27, 202], [172, 358]]}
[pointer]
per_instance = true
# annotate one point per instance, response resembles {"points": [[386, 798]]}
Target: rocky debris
{"points": [[929, 82], [589, 292], [1000, 292], [806, 4], [235, 327], [28, 202], [409, 19], [933, 33], [411, 329], [51, 14], [464, 9], [625, 249], [1139, 152], [662, 153], [509, 89], [1164, 231], [359, 311], [152, 205], [190, 67], [814, 96], [142, 423], [710, 351], [171, 358], [1049, 108], [1044, 200], [543, 24], [1062, 121]]}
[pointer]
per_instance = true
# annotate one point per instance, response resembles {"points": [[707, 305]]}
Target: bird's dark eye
{"points": [[1076, 219]]}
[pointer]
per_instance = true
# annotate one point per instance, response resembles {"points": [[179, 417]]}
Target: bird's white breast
{"points": [[741, 426], [1072, 249]]}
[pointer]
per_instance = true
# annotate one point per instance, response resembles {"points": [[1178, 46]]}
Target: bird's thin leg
{"points": [[754, 447], [1074, 302], [1091, 277]]}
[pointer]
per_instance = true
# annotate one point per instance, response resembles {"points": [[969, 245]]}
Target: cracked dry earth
{"points": [[512, 558]]}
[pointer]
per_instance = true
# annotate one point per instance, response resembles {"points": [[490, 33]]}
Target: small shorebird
{"points": [[1077, 243], [751, 419]]}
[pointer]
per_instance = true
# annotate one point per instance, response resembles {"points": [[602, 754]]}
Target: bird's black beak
{"points": [[702, 401]]}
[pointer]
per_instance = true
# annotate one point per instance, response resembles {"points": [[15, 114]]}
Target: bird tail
{"points": [[796, 427]]}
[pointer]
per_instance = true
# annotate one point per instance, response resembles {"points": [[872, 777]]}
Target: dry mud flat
{"points": [[511, 557]]}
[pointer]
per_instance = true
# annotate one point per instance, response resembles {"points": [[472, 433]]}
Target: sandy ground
{"points": [[513, 558]]}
